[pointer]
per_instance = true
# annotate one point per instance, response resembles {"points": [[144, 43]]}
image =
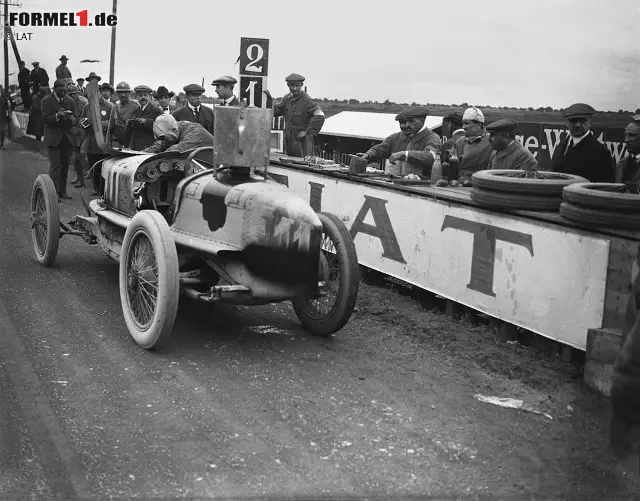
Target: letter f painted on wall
{"points": [[483, 255]]}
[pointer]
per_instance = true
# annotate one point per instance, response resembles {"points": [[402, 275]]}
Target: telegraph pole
{"points": [[112, 63], [5, 42]]}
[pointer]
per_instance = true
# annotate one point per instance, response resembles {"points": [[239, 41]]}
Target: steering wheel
{"points": [[190, 165]]}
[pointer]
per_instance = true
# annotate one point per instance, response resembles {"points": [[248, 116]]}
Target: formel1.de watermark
{"points": [[61, 19]]}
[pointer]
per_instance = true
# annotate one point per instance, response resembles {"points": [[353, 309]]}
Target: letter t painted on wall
{"points": [[483, 255]]}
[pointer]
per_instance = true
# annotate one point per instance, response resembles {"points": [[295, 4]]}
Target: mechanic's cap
{"points": [[193, 89], [165, 124], [473, 113], [503, 125], [72, 89], [578, 110], [143, 88], [224, 80], [123, 87], [294, 78]]}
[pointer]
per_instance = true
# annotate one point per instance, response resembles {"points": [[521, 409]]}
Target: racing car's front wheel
{"points": [[149, 280], [329, 310], [45, 220]]}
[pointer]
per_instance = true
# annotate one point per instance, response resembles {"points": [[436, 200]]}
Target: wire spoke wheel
{"points": [[45, 220], [330, 309], [149, 280]]}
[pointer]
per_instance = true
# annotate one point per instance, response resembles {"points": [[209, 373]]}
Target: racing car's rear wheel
{"points": [[45, 220], [328, 311], [149, 280]]}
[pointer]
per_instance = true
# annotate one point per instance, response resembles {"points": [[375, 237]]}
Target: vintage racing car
{"points": [[211, 225]]}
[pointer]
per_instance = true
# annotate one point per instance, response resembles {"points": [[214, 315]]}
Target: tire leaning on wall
{"points": [[521, 181]]}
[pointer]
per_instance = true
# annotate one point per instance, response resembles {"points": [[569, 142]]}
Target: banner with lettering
{"points": [[546, 278]]}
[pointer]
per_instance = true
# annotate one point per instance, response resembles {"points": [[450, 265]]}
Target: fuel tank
{"points": [[276, 232]]}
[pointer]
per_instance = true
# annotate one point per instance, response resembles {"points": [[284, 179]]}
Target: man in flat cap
{"points": [[224, 89], [178, 136], [415, 144], [59, 113], [163, 96], [80, 85], [123, 111], [473, 149], [38, 77], [303, 118], [194, 111], [508, 153], [62, 71], [140, 126], [454, 121], [580, 153], [628, 169]]}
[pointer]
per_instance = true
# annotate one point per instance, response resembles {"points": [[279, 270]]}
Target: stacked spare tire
{"points": [[603, 205], [521, 189]]}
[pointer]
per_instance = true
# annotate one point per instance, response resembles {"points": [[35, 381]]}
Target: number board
{"points": [[254, 56], [251, 90], [254, 68]]}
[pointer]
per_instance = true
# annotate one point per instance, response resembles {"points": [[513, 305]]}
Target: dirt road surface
{"points": [[248, 404]]}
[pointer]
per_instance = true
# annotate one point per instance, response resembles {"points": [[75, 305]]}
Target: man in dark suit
{"points": [[628, 169], [224, 89], [59, 112], [163, 96], [38, 77], [580, 153], [140, 125], [193, 111], [23, 83]]}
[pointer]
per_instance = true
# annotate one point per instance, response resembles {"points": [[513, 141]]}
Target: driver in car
{"points": [[180, 136]]}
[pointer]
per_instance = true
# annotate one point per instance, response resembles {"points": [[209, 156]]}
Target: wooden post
{"points": [[6, 45], [112, 62]]}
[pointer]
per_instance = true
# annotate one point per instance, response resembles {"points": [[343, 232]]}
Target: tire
{"points": [[607, 196], [598, 218], [45, 220], [515, 201], [149, 233], [345, 261], [503, 180]]}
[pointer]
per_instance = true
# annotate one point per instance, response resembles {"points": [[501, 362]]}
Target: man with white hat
{"points": [[474, 149], [580, 153]]}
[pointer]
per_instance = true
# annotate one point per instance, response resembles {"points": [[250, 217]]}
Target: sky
{"points": [[490, 52]]}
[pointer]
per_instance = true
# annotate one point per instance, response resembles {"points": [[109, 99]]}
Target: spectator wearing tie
{"points": [[124, 110], [163, 96], [81, 90], [224, 89], [580, 153], [59, 113], [38, 77], [106, 91], [628, 169], [140, 125], [193, 111]]}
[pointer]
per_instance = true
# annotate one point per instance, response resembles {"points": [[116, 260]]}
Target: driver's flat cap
{"points": [[413, 112], [503, 125], [193, 89], [578, 110], [294, 77]]}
